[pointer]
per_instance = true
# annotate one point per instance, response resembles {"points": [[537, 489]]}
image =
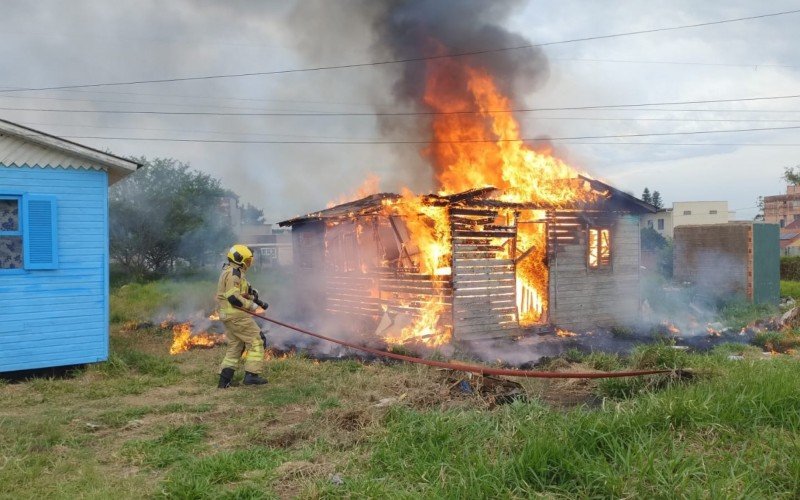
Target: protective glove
{"points": [[260, 303], [252, 292]]}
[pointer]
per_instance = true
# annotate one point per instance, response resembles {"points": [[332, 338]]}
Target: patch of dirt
{"points": [[181, 393], [286, 437], [353, 419], [293, 475], [301, 469]]}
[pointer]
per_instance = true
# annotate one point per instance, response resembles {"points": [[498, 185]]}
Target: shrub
{"points": [[790, 268]]}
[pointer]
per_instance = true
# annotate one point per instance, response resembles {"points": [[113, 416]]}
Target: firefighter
{"points": [[244, 335]]}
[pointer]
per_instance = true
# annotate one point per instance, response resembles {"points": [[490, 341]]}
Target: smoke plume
{"points": [[415, 31]]}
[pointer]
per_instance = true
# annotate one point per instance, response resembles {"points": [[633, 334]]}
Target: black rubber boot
{"points": [[253, 379], [225, 377]]}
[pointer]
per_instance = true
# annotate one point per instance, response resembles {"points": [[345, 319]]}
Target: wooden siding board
{"points": [[583, 298], [70, 303]]}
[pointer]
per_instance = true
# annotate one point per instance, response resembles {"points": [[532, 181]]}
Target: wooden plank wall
{"points": [[484, 280], [308, 262], [583, 298], [368, 295]]}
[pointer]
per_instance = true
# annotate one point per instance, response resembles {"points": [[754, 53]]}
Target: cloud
{"points": [[52, 42]]}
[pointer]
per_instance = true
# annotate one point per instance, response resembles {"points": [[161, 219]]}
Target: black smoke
{"points": [[411, 29]]}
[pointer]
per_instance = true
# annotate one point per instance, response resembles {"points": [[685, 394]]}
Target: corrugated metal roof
{"points": [[23, 146]]}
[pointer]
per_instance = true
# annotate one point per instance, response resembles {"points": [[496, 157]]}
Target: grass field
{"points": [[147, 424], [790, 289]]}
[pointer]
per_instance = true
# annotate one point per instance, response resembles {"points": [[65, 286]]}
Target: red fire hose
{"points": [[482, 370]]}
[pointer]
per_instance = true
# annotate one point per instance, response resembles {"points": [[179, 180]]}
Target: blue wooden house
{"points": [[53, 249]]}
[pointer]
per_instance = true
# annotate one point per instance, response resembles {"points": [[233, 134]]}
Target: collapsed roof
{"points": [[607, 198]]}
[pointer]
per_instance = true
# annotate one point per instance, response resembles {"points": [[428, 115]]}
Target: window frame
{"points": [[19, 197], [600, 266]]}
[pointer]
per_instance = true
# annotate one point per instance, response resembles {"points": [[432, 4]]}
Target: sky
{"points": [[55, 43]]}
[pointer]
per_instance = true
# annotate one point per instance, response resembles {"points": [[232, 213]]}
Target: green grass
{"points": [[737, 315], [176, 444], [141, 302], [732, 436], [790, 289], [229, 474], [146, 424]]}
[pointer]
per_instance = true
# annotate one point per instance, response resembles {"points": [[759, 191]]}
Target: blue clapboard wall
{"points": [[54, 312]]}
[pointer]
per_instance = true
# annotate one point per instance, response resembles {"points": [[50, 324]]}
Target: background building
{"points": [[783, 209], [272, 245], [685, 213]]}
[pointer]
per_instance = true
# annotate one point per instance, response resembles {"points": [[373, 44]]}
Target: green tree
{"points": [[165, 214], [656, 201], [760, 204], [252, 215], [646, 197], [652, 239], [792, 175]]}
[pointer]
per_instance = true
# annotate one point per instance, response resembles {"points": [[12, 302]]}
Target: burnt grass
{"points": [[722, 423]]}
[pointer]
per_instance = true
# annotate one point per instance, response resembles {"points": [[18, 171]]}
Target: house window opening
{"points": [[10, 234], [599, 248], [712, 212], [660, 224], [687, 212]]}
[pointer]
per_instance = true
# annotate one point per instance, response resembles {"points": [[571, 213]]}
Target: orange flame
{"points": [[425, 328], [476, 142], [368, 187], [183, 338], [671, 328], [429, 229]]}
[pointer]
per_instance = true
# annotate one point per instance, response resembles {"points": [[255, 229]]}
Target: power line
{"points": [[400, 113], [571, 143], [462, 141], [676, 63], [265, 134], [412, 59]]}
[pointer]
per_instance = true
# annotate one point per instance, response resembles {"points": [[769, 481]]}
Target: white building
{"points": [[684, 213]]}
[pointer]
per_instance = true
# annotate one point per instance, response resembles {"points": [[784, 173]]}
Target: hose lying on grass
{"points": [[481, 370]]}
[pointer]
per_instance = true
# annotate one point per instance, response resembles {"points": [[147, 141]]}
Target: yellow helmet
{"points": [[241, 255]]}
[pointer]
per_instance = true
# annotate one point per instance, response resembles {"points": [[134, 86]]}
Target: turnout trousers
{"points": [[243, 338]]}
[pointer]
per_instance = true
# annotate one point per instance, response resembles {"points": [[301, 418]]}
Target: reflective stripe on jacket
{"points": [[233, 289]]}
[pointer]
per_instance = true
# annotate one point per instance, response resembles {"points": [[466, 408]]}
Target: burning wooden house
{"points": [[475, 264]]}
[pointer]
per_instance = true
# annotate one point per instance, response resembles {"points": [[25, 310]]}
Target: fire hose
{"points": [[481, 370]]}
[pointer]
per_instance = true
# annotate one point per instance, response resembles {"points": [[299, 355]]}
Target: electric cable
{"points": [[460, 141], [400, 113], [411, 59]]}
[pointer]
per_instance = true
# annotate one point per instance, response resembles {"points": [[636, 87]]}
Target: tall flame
{"points": [[476, 142], [471, 150], [429, 229], [480, 149]]}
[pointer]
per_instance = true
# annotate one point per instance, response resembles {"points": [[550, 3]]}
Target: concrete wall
{"points": [[582, 298]]}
